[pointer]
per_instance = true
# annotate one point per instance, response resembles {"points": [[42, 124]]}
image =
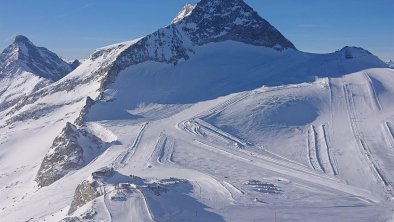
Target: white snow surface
{"points": [[257, 134]]}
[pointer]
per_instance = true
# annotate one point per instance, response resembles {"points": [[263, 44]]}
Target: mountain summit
{"points": [[186, 10], [23, 56], [391, 64], [210, 21], [217, 20]]}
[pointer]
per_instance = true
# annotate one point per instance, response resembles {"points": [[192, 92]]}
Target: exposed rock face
{"points": [[84, 193], [65, 155], [103, 172], [91, 188], [81, 118], [218, 20], [70, 151], [187, 9], [23, 55], [75, 64]]}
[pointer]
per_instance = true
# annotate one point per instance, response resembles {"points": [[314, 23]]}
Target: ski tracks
{"points": [[388, 134], [164, 149], [216, 136], [372, 93], [124, 157], [377, 171], [319, 179], [233, 100], [205, 129], [319, 155]]}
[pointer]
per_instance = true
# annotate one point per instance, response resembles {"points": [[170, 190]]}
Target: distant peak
{"points": [[186, 10], [351, 52], [390, 64], [220, 2], [23, 55], [355, 49], [21, 39]]}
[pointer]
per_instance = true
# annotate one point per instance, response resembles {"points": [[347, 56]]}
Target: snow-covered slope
{"points": [[216, 117]]}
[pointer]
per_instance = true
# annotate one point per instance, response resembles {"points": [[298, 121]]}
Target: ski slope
{"points": [[244, 157], [192, 123]]}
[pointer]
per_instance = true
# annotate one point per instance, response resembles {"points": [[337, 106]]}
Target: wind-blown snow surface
{"points": [[310, 149]]}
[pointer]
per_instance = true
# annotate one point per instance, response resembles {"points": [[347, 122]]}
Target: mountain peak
{"points": [[21, 39], [221, 20], [23, 56], [186, 10], [351, 52], [390, 64]]}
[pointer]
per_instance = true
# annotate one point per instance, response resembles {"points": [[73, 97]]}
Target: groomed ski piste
{"points": [[232, 132]]}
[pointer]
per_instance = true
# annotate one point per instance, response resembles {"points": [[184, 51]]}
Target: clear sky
{"points": [[74, 28]]}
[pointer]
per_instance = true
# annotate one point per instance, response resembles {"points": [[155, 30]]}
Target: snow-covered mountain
{"points": [[23, 56], [215, 117], [391, 64], [26, 68]]}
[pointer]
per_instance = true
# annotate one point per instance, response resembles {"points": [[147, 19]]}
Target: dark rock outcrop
{"points": [[84, 193], [81, 118], [71, 150], [65, 155], [218, 20]]}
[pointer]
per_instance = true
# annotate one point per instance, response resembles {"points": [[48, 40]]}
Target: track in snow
{"points": [[313, 154], [200, 127], [233, 100], [377, 171], [372, 93], [107, 206], [319, 155], [388, 134], [221, 138], [318, 179], [164, 149], [202, 130], [124, 157]]}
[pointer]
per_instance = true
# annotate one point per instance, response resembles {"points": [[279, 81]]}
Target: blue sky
{"points": [[74, 28]]}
